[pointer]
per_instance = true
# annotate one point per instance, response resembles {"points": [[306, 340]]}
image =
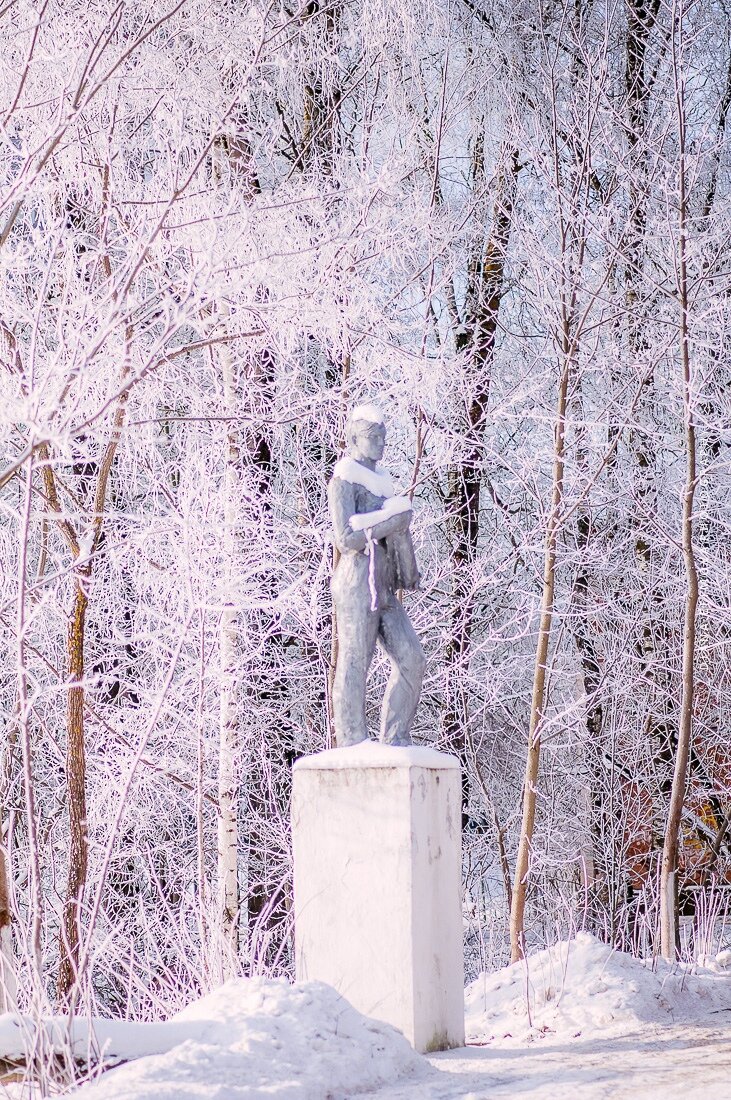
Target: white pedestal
{"points": [[377, 873]]}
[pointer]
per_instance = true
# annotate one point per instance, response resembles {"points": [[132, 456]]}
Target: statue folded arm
{"points": [[341, 497]]}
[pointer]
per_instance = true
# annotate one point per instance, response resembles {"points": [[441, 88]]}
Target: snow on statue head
{"points": [[363, 414], [371, 413]]}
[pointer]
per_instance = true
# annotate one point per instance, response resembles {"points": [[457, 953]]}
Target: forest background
{"points": [[221, 225]]}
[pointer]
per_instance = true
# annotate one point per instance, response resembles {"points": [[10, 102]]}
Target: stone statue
{"points": [[371, 528]]}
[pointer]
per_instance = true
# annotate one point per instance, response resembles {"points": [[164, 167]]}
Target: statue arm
{"points": [[341, 497]]}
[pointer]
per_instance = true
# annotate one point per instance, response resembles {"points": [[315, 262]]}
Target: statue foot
{"points": [[347, 742]]}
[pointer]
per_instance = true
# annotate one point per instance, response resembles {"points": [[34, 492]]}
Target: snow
{"points": [[258, 1037], [363, 521], [601, 1025], [117, 1039], [376, 481], [370, 413], [658, 1063], [581, 988], [374, 754]]}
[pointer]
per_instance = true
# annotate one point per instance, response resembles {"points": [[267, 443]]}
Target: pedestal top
{"points": [[373, 754]]}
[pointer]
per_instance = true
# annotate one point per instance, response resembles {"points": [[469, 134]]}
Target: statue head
{"points": [[365, 433]]}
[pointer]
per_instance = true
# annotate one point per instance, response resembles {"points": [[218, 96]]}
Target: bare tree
{"points": [[669, 930]]}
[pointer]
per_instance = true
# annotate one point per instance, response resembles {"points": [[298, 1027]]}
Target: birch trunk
{"points": [[26, 748], [8, 985], [232, 158], [229, 747]]}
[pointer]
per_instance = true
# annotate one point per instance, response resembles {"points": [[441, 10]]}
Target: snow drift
{"points": [[256, 1037], [581, 988]]}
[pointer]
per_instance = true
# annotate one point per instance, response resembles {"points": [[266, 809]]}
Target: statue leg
{"points": [[357, 629], [400, 641]]}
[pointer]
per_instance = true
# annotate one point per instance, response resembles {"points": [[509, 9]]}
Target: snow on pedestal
{"points": [[377, 870]]}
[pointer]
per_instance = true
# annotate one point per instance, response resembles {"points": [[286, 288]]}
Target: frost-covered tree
{"points": [[221, 225]]}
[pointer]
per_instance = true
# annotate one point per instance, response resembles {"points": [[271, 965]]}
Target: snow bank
{"points": [[582, 988], [256, 1038]]}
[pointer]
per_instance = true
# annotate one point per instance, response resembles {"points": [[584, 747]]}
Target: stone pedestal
{"points": [[377, 869]]}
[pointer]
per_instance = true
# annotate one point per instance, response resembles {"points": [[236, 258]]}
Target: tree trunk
{"points": [[8, 781], [522, 866], [8, 987], [76, 786], [476, 337], [322, 94], [655, 723], [70, 938], [599, 859], [228, 790], [35, 894], [229, 743], [669, 930]]}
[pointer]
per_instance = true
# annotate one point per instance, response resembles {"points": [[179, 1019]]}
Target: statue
{"points": [[371, 529]]}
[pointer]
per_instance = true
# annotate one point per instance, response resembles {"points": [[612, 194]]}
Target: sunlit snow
{"points": [[576, 1020]]}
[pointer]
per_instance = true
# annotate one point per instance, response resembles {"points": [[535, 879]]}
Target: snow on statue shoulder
{"points": [[371, 530], [377, 481]]}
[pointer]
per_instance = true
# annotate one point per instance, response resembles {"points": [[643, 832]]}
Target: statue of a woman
{"points": [[371, 528]]}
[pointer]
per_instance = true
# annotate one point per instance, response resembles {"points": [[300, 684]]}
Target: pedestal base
{"points": [[377, 871]]}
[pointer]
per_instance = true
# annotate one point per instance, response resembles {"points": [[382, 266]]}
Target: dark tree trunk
{"points": [[76, 787]]}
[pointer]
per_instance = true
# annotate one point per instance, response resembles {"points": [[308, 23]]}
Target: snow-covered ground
{"points": [[581, 989], [252, 1038], [577, 1021], [657, 1063], [586, 1023]]}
